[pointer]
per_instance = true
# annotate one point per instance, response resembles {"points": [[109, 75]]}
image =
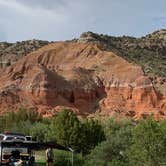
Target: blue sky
{"points": [[67, 19]]}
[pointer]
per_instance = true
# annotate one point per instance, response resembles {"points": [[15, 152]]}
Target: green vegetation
{"points": [[62, 158], [19, 49], [148, 51], [141, 144], [113, 151], [69, 131], [153, 63], [20, 120], [111, 143], [66, 129], [148, 144]]}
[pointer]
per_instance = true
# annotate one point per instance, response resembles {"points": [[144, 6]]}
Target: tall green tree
{"points": [[113, 151], [66, 128], [149, 144], [22, 127], [40, 131], [111, 125], [13, 118], [93, 133], [24, 114]]}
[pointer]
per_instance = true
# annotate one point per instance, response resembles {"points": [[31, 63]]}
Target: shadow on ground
{"points": [[55, 164]]}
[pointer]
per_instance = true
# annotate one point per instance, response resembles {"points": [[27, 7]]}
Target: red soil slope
{"points": [[81, 76]]}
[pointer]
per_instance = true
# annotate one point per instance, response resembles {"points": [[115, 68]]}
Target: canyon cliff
{"points": [[83, 76]]}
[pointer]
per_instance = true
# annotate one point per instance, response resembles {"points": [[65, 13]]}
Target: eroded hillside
{"points": [[80, 75]]}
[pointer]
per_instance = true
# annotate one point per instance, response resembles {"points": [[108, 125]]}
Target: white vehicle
{"points": [[17, 149], [9, 136]]}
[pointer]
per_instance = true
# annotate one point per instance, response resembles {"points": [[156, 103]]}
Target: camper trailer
{"points": [[16, 149], [8, 136]]}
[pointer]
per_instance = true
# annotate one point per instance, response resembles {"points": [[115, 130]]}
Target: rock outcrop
{"points": [[82, 76], [148, 51], [12, 52]]}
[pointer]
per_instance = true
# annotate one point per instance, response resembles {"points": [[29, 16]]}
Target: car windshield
{"points": [[20, 138], [9, 138]]}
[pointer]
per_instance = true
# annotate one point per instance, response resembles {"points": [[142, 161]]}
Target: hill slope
{"points": [[83, 76], [12, 52], [149, 52]]}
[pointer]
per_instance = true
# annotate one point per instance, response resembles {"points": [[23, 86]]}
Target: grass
{"points": [[40, 158], [62, 158]]}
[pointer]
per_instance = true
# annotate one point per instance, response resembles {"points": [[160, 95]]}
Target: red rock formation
{"points": [[80, 76]]}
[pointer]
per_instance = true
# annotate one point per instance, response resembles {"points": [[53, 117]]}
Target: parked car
{"points": [[16, 149], [8, 136]]}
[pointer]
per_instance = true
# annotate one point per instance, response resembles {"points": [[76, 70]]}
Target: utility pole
{"points": [[72, 157]]}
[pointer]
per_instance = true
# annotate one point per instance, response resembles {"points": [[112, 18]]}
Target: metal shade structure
{"points": [[32, 145], [49, 145]]}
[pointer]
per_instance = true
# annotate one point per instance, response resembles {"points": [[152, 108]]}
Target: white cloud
{"points": [[45, 4], [66, 19], [23, 22]]}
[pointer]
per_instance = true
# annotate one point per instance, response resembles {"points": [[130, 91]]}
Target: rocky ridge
{"points": [[12, 52], [80, 76], [149, 52], [144, 51], [95, 74]]}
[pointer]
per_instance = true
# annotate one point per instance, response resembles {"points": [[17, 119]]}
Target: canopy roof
{"points": [[32, 145]]}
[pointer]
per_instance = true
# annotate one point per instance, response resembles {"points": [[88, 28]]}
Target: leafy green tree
{"points": [[14, 118], [149, 144], [112, 152], [9, 120], [40, 132], [22, 127], [66, 128], [2, 123], [111, 126], [24, 114], [93, 133], [82, 136]]}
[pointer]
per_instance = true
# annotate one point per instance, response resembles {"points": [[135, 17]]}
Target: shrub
{"points": [[69, 131], [22, 115], [93, 133], [40, 132], [66, 128], [112, 152], [22, 127], [149, 144]]}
